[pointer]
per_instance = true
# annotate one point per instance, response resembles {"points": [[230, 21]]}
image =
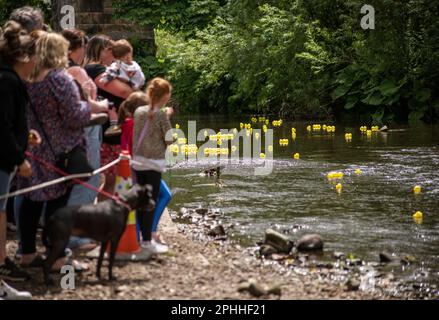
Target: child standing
{"points": [[126, 118], [151, 139]]}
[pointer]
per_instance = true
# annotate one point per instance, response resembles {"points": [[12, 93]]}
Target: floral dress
{"points": [[63, 115]]}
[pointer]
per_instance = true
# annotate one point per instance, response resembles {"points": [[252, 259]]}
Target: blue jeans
{"points": [[80, 194]]}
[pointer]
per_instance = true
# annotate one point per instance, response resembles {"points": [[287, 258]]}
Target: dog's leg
{"points": [[113, 248], [58, 238], [104, 245], [57, 248]]}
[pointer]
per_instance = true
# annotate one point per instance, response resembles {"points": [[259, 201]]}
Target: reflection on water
{"points": [[372, 214]]}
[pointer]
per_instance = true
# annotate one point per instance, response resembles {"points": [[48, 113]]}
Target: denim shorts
{"points": [[5, 181]]}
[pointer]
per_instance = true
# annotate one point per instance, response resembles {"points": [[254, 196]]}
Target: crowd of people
{"points": [[64, 92]]}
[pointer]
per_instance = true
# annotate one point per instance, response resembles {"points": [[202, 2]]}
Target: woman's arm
{"points": [[75, 113], [115, 87]]}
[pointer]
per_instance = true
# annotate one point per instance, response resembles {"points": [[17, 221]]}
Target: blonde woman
{"points": [[60, 115]]}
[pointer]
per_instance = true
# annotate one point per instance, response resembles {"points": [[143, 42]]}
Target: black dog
{"points": [[104, 222]]}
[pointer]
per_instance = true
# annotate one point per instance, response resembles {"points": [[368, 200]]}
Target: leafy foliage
{"points": [[7, 6]]}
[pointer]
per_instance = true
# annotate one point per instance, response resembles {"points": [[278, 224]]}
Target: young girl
{"points": [[151, 128], [126, 114]]}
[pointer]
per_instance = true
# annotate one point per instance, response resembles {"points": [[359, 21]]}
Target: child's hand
{"points": [[169, 112], [25, 169], [34, 138]]}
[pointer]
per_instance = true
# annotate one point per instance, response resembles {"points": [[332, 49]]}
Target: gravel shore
{"points": [[205, 269]]}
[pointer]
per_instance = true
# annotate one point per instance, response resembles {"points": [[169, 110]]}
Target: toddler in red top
{"points": [[126, 112]]}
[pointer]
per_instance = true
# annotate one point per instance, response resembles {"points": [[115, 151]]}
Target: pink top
{"points": [[127, 135]]}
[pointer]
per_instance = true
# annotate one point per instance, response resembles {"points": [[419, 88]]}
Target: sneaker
{"points": [[154, 247], [9, 293], [114, 130], [10, 271], [97, 119]]}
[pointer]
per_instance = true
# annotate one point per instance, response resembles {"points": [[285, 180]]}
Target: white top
{"points": [[143, 164]]}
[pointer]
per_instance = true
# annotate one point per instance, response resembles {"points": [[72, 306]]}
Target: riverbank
{"points": [[202, 269]]}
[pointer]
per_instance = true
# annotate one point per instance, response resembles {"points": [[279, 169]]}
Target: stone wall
{"points": [[96, 16]]}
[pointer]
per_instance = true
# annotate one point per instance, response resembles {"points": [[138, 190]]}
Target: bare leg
{"points": [[110, 182]]}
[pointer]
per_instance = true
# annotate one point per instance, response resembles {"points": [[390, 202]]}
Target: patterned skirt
{"points": [[110, 153]]}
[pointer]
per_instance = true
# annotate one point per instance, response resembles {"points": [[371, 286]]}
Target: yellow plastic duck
{"points": [[264, 128], [418, 215], [339, 187], [293, 135], [330, 129], [417, 189], [335, 175], [296, 156], [262, 155], [358, 172], [174, 148]]}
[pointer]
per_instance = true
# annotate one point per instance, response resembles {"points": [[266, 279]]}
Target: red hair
{"points": [[157, 89]]}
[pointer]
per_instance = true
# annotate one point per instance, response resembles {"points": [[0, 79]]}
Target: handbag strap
{"points": [[40, 124], [142, 136]]}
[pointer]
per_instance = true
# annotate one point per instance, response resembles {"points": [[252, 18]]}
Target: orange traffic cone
{"points": [[128, 243]]}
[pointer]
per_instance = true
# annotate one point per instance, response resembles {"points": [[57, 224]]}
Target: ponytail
{"points": [[156, 90], [16, 44]]}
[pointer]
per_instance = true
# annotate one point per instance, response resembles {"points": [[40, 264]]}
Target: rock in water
{"points": [[266, 250], [217, 231], [278, 241], [310, 242], [353, 285], [339, 255], [202, 211], [386, 257]]}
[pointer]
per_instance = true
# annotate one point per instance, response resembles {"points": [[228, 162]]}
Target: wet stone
{"points": [[277, 240], [310, 242]]}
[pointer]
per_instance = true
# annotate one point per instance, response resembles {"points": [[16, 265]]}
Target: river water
{"points": [[372, 214]]}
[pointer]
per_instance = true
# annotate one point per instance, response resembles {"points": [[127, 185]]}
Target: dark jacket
{"points": [[14, 132]]}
